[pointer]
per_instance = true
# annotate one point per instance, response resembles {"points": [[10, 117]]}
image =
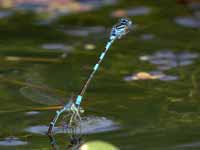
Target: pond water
{"points": [[191, 22], [57, 47], [153, 75], [56, 7], [89, 125], [147, 37], [137, 115], [85, 31], [12, 141], [4, 14], [166, 59], [30, 113], [136, 11], [158, 109]]}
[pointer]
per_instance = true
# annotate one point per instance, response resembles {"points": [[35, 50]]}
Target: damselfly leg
{"points": [[72, 119]]}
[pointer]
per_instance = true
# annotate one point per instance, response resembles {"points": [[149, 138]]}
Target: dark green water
{"points": [[152, 114]]}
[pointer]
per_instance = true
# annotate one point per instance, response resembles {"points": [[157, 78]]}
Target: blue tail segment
{"points": [[108, 45], [78, 100], [96, 67], [102, 56]]}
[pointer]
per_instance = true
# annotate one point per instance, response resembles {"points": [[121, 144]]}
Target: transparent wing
{"points": [[40, 96]]}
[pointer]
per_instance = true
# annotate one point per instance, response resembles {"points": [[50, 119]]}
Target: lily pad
{"points": [[98, 145]]}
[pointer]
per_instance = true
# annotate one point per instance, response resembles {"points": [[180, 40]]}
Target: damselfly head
{"points": [[126, 22], [121, 28]]}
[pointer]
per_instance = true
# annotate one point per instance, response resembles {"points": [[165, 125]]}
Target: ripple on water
{"points": [[85, 31], [57, 47], [4, 14], [136, 11], [147, 37], [154, 75], [30, 113], [70, 6], [166, 59], [189, 21], [98, 3], [189, 145], [12, 141], [183, 107], [187, 55], [167, 54], [89, 125], [169, 78]]}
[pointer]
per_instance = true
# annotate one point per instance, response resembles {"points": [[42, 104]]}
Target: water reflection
{"points": [[31, 113], [188, 21], [166, 59], [189, 145], [55, 7], [192, 20], [89, 46], [75, 143], [4, 14], [89, 125], [12, 141], [84, 31], [136, 11], [57, 47], [147, 37], [151, 76]]}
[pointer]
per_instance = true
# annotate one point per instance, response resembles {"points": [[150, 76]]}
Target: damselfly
{"points": [[73, 108]]}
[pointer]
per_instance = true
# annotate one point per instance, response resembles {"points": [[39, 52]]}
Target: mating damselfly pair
{"points": [[73, 109]]}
